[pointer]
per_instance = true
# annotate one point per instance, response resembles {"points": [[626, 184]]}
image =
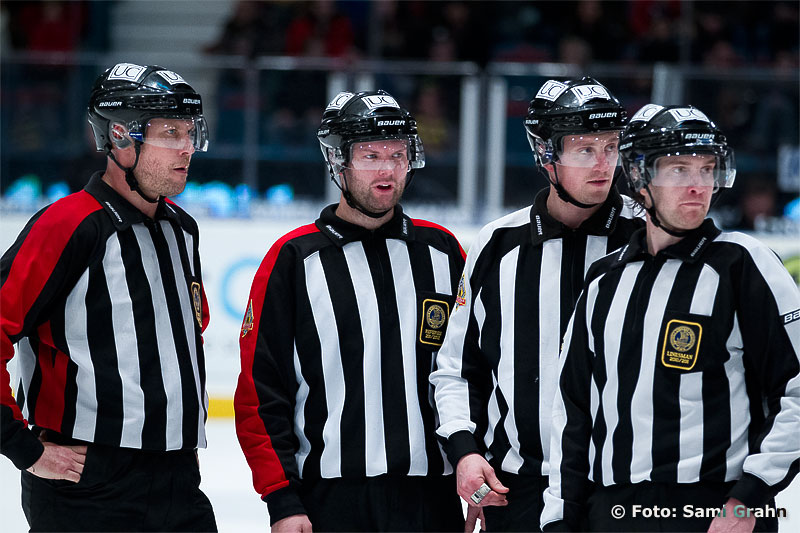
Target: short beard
{"points": [[158, 182], [362, 196]]}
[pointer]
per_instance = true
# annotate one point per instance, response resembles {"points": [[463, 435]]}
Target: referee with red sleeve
{"points": [[334, 411], [102, 295]]}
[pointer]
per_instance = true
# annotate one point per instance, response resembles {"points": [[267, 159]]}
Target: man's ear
{"points": [[550, 172], [119, 136], [646, 197]]}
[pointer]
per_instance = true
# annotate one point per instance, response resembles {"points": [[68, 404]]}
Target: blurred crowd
{"points": [[758, 117], [710, 33], [583, 31]]}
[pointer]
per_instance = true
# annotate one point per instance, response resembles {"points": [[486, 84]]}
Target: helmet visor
{"points": [[590, 150], [415, 153], [380, 156], [175, 133], [685, 168]]}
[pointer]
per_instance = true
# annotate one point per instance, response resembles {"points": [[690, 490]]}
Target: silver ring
{"points": [[478, 496]]}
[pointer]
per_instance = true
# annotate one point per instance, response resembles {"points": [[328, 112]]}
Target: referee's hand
{"points": [[297, 523], [730, 522], [473, 471], [60, 462]]}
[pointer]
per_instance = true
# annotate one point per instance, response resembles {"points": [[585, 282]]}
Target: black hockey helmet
{"points": [[570, 107], [656, 131], [134, 94], [365, 116]]}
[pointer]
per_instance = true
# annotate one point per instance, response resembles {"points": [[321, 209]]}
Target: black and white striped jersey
{"points": [[496, 371], [679, 368], [337, 344], [107, 308]]}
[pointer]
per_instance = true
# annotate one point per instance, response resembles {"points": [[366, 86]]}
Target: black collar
{"points": [[341, 232], [121, 212], [689, 249], [602, 222]]}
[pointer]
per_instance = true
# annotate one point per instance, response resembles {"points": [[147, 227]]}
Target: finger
{"points": [[472, 518], [494, 499], [78, 467], [493, 482], [79, 449], [71, 475]]}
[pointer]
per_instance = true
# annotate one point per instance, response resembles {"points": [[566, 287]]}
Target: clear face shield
{"points": [[687, 168], [598, 150], [173, 133], [380, 157]]}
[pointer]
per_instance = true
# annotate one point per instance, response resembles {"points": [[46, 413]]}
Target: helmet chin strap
{"points": [[654, 217], [352, 202], [130, 179], [562, 192]]}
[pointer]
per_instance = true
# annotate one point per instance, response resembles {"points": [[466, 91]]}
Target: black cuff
{"points": [[558, 525], [282, 503], [23, 448], [752, 491], [460, 444]]}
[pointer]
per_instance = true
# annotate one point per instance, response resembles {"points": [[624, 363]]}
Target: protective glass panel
{"points": [[177, 133], [688, 168], [590, 150], [381, 156]]}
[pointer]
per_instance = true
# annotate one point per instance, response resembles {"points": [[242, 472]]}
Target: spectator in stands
{"points": [[574, 50], [656, 25], [320, 31], [47, 26], [254, 28], [404, 29], [598, 24]]}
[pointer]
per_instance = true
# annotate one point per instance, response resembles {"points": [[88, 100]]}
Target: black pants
{"points": [[671, 498], [121, 490], [524, 504], [383, 503]]}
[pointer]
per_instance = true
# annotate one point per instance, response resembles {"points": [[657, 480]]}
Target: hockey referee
{"points": [[102, 293], [679, 377], [333, 406]]}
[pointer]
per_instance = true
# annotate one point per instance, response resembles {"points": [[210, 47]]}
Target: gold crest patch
{"points": [[247, 325], [681, 346], [461, 295], [435, 314], [197, 302]]}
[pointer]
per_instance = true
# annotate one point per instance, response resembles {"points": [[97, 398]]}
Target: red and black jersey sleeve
{"points": [[40, 267], [265, 393]]}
